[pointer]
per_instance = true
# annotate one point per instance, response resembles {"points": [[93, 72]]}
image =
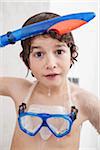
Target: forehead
{"points": [[43, 40]]}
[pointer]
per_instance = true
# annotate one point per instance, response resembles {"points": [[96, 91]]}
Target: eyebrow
{"points": [[39, 47], [35, 47], [60, 45]]}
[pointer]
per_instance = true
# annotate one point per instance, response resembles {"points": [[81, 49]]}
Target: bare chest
{"points": [[22, 141]]}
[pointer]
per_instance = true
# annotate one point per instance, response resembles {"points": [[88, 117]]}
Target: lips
{"points": [[51, 75]]}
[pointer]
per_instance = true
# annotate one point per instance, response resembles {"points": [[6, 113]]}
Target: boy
{"points": [[49, 57]]}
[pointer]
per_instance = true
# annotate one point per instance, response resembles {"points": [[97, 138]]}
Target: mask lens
{"points": [[58, 125], [31, 123]]}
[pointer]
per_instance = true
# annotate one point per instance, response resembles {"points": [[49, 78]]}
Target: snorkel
{"points": [[61, 25]]}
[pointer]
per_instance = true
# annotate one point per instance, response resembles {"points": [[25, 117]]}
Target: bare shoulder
{"points": [[80, 91], [14, 87], [87, 102], [83, 95]]}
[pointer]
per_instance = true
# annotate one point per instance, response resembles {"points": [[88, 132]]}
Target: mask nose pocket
{"points": [[45, 133]]}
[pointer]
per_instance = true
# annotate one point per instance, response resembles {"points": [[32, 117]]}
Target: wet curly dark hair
{"points": [[67, 38]]}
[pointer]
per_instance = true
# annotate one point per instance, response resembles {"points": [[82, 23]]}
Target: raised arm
{"points": [[90, 105], [14, 87], [5, 86]]}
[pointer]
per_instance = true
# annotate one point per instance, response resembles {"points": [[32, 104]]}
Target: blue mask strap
{"points": [[22, 108], [73, 114]]}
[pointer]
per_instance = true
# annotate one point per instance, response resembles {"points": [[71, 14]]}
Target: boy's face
{"points": [[49, 60]]}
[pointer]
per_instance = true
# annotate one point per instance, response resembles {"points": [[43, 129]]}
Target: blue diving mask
{"points": [[31, 123]]}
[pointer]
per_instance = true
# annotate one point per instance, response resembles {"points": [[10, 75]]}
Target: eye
{"points": [[38, 54], [59, 51]]}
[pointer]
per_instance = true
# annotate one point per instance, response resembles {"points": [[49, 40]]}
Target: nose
{"points": [[51, 62]]}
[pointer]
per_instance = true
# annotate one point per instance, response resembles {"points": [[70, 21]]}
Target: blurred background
{"points": [[12, 15]]}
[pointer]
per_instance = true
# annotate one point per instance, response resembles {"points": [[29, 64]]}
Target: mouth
{"points": [[52, 76]]}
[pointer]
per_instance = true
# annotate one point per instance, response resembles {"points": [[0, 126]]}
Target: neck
{"points": [[52, 90]]}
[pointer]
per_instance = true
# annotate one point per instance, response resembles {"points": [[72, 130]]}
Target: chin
{"points": [[54, 83]]}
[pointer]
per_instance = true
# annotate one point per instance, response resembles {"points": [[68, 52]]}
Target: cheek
{"points": [[34, 66], [65, 64], [67, 59], [32, 62]]}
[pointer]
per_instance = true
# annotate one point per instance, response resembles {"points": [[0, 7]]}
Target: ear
{"points": [[74, 54]]}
